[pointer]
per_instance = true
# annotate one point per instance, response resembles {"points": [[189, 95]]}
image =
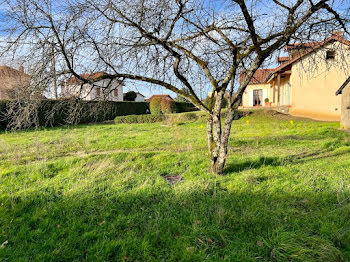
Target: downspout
{"points": [[279, 88]]}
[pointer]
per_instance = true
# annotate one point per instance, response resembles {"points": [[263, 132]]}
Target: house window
{"points": [[115, 92], [330, 54], [98, 91], [257, 97]]}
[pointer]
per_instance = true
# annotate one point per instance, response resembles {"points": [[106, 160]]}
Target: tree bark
{"points": [[218, 135], [218, 151]]}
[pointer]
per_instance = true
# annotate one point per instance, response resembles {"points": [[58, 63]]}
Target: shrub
{"points": [[130, 96], [65, 112], [210, 102], [168, 106], [172, 119], [138, 119], [86, 111], [155, 106], [190, 116], [238, 114], [178, 119], [3, 109], [182, 107]]}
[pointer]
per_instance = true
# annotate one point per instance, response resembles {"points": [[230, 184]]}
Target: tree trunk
{"points": [[218, 147]]}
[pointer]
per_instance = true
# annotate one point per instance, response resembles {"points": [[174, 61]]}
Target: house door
{"points": [[257, 97]]}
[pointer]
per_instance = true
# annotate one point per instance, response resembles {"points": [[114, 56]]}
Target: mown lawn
{"points": [[98, 193]]}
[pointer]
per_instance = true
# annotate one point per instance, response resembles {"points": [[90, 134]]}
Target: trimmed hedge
{"points": [[182, 107], [155, 106], [65, 112], [138, 119], [168, 106], [169, 118], [3, 109]]}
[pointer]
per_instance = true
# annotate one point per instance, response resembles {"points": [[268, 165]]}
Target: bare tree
{"points": [[173, 44]]}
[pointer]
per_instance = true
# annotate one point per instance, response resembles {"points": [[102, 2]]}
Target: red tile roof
{"points": [[282, 59], [258, 78], [301, 45], [167, 97], [89, 76], [10, 79], [6, 71], [308, 45]]}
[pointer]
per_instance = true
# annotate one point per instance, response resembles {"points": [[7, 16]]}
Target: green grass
{"points": [[98, 193]]}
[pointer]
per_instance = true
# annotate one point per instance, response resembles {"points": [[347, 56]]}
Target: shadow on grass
{"points": [[156, 223], [252, 164], [282, 161]]}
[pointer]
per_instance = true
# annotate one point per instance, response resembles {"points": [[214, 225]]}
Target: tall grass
{"points": [[98, 193]]}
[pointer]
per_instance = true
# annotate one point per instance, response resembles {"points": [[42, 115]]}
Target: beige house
{"points": [[258, 90], [10, 79], [104, 89], [306, 81]]}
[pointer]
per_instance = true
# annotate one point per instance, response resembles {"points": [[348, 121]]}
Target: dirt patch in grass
{"points": [[173, 179], [276, 115]]}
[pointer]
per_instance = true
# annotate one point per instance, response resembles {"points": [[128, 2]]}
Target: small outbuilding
{"points": [[165, 97], [344, 91]]}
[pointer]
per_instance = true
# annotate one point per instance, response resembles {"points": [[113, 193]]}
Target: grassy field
{"points": [[98, 193]]}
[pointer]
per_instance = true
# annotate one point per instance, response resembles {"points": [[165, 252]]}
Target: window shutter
{"points": [[98, 91], [250, 97], [265, 95]]}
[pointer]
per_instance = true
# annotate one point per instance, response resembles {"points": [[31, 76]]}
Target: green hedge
{"points": [[59, 112], [182, 107], [155, 106], [138, 119], [168, 118], [172, 107], [65, 112], [3, 109], [168, 106]]}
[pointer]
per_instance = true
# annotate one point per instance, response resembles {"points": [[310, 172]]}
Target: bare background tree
{"points": [[176, 44]]}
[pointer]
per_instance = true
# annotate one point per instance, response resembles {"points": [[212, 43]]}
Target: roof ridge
{"points": [[327, 40], [12, 71]]}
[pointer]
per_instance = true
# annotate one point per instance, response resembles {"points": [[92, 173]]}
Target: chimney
{"points": [[21, 69], [338, 33]]}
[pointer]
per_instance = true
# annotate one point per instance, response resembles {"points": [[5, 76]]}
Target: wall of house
{"points": [[285, 91], [88, 93], [315, 80], [345, 108], [282, 98], [139, 98], [108, 93], [247, 99]]}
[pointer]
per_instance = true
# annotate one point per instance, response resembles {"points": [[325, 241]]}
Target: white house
{"points": [[104, 89], [139, 97]]}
